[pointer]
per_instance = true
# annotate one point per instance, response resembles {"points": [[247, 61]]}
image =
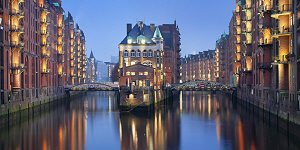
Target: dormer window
{"points": [[141, 39], [132, 53], [125, 54], [129, 40]]}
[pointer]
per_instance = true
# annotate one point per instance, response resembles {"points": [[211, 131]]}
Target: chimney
{"points": [[129, 27], [152, 27]]}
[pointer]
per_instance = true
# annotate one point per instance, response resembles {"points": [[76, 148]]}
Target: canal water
{"points": [[196, 120]]}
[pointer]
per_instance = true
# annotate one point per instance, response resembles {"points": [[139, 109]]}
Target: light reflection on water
{"points": [[196, 120]]}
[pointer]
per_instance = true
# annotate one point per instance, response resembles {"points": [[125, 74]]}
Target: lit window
{"points": [[133, 73], [148, 63], [128, 73], [125, 54], [141, 73], [145, 73]]}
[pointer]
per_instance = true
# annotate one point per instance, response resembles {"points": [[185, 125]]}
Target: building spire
{"points": [[92, 55]]}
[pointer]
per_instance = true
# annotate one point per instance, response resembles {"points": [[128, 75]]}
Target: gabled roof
{"points": [[141, 30]]}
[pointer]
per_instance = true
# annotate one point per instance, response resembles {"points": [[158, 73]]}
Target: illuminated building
{"points": [[198, 67], [35, 62], [266, 65], [222, 62], [141, 56]]}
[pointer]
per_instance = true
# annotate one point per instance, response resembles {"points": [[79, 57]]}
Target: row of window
{"points": [[137, 53], [139, 73]]}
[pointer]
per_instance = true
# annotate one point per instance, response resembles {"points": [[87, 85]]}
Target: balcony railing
{"points": [[246, 70], [247, 6], [283, 59], [44, 32], [265, 42], [15, 44], [284, 9], [14, 28], [15, 12], [44, 44], [16, 66], [282, 31], [247, 42], [247, 18], [46, 55], [45, 71], [265, 8], [45, 21]]}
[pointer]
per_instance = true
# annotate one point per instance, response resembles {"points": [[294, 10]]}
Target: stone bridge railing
{"points": [[202, 85], [95, 87]]}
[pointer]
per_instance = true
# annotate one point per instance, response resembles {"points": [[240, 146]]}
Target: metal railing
{"points": [[282, 30], [283, 8], [266, 41]]}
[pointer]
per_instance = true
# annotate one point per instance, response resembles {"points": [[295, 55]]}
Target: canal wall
{"points": [[286, 123], [15, 110], [142, 99]]}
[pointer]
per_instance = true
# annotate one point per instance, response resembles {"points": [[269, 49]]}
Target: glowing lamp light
{"points": [[131, 96]]}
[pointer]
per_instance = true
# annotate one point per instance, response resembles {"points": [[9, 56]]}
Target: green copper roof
{"points": [[56, 4], [157, 35]]}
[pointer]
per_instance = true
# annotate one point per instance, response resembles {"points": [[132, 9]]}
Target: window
{"points": [[141, 73], [150, 53], [148, 63], [132, 53], [128, 73], [125, 54], [157, 54], [138, 53], [133, 73], [145, 73], [144, 53]]}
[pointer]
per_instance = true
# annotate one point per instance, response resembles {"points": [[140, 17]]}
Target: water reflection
{"points": [[197, 120], [157, 130]]}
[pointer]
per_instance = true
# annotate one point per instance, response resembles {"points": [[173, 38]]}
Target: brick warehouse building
{"points": [[38, 51], [200, 66], [171, 35], [267, 52]]}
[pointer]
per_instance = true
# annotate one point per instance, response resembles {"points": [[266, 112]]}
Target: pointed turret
{"points": [[157, 35], [92, 55]]}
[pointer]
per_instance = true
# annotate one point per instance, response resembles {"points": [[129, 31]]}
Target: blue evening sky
{"points": [[201, 22]]}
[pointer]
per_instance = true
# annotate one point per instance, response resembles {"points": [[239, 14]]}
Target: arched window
{"points": [[132, 53], [150, 53], [125, 54], [144, 53], [138, 53]]}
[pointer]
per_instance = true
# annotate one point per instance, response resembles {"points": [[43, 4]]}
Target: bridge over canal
{"points": [[106, 86], [202, 85]]}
